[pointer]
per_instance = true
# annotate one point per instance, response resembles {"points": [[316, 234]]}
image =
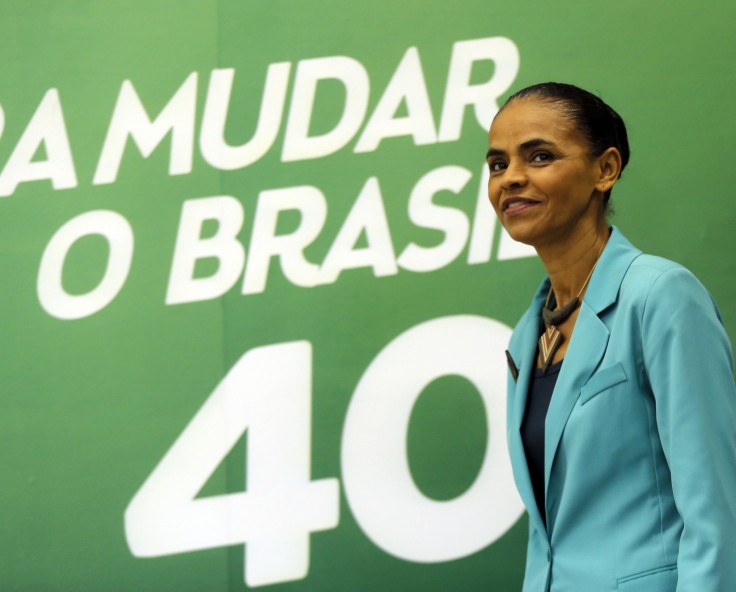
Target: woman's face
{"points": [[543, 178]]}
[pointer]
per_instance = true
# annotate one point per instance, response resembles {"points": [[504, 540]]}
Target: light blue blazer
{"points": [[640, 436]]}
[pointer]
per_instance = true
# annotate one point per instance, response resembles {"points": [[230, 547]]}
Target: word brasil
{"points": [[366, 220]]}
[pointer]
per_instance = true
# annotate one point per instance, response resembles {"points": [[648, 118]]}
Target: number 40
{"points": [[268, 393]]}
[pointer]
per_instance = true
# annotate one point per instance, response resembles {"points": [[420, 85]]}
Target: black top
{"points": [[541, 386]]}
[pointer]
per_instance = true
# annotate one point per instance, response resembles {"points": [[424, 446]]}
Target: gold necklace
{"points": [[551, 338]]}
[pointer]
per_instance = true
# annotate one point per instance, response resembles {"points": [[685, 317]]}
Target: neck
{"points": [[570, 264]]}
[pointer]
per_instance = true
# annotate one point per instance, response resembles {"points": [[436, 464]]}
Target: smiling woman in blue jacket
{"points": [[621, 401]]}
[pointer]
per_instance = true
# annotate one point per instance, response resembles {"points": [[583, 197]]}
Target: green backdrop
{"points": [[255, 301]]}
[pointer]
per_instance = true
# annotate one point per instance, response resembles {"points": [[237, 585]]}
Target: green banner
{"points": [[256, 300]]}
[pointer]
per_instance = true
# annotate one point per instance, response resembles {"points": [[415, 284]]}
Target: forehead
{"points": [[531, 118]]}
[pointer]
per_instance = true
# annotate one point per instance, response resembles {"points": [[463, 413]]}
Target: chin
{"points": [[521, 234]]}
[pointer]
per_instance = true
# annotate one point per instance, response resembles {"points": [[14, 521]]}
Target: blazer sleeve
{"points": [[689, 365]]}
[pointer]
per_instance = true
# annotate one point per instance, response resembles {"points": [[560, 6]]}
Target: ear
{"points": [[610, 169]]}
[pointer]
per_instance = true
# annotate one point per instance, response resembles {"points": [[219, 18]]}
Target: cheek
{"points": [[557, 188], [494, 194]]}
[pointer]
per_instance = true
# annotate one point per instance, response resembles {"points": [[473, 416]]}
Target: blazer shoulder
{"points": [[650, 272], [654, 283], [652, 264]]}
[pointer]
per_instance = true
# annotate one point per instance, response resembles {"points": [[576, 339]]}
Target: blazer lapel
{"points": [[586, 349], [525, 354], [587, 345]]}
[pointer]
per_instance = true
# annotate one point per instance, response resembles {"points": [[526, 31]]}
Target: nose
{"points": [[514, 175]]}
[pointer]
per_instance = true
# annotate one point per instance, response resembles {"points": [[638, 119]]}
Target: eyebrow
{"points": [[528, 145]]}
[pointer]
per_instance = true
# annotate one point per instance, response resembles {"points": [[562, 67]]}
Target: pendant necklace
{"points": [[551, 338]]}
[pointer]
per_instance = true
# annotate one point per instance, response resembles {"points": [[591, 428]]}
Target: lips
{"points": [[514, 205]]}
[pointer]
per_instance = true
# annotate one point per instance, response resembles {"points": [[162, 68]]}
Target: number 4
{"points": [[267, 392]]}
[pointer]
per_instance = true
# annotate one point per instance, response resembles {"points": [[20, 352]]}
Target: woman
{"points": [[621, 401]]}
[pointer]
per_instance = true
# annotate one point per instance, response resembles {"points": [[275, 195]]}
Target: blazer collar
{"points": [[609, 272]]}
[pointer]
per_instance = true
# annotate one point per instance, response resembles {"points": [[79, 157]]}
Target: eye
{"points": [[497, 165], [542, 157]]}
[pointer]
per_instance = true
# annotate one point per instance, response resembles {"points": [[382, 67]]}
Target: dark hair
{"points": [[599, 123]]}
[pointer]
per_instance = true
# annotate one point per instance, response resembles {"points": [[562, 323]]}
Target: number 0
{"points": [[389, 507]]}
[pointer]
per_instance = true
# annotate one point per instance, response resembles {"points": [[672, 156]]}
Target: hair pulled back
{"points": [[599, 123]]}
